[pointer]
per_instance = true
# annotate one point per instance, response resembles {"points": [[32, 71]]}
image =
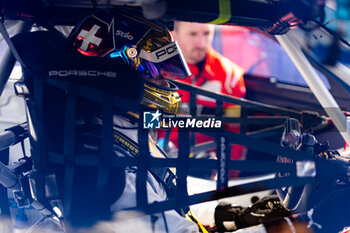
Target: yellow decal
{"points": [[224, 12], [148, 45]]}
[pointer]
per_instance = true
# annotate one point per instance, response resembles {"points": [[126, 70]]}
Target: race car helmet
{"points": [[147, 47]]}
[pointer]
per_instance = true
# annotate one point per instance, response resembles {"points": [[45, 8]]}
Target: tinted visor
{"points": [[166, 61]]}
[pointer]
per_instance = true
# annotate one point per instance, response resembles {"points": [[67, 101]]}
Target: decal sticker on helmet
{"points": [[161, 54], [126, 35], [89, 37]]}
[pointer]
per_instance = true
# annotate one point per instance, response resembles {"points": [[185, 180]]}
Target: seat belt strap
{"points": [[194, 219], [9, 42]]}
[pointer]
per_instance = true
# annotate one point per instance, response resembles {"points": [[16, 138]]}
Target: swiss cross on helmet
{"points": [[102, 33]]}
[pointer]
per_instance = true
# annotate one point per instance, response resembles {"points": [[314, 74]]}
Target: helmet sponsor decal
{"points": [[161, 54], [126, 35]]}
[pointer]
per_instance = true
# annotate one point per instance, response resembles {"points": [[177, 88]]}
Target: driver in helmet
{"points": [[150, 50]]}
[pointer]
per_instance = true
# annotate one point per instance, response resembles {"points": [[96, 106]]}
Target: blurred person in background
{"points": [[211, 71]]}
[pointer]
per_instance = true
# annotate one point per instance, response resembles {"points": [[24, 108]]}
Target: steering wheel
{"points": [[331, 169], [295, 198]]}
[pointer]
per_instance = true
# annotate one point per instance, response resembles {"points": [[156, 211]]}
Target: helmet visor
{"points": [[166, 61]]}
